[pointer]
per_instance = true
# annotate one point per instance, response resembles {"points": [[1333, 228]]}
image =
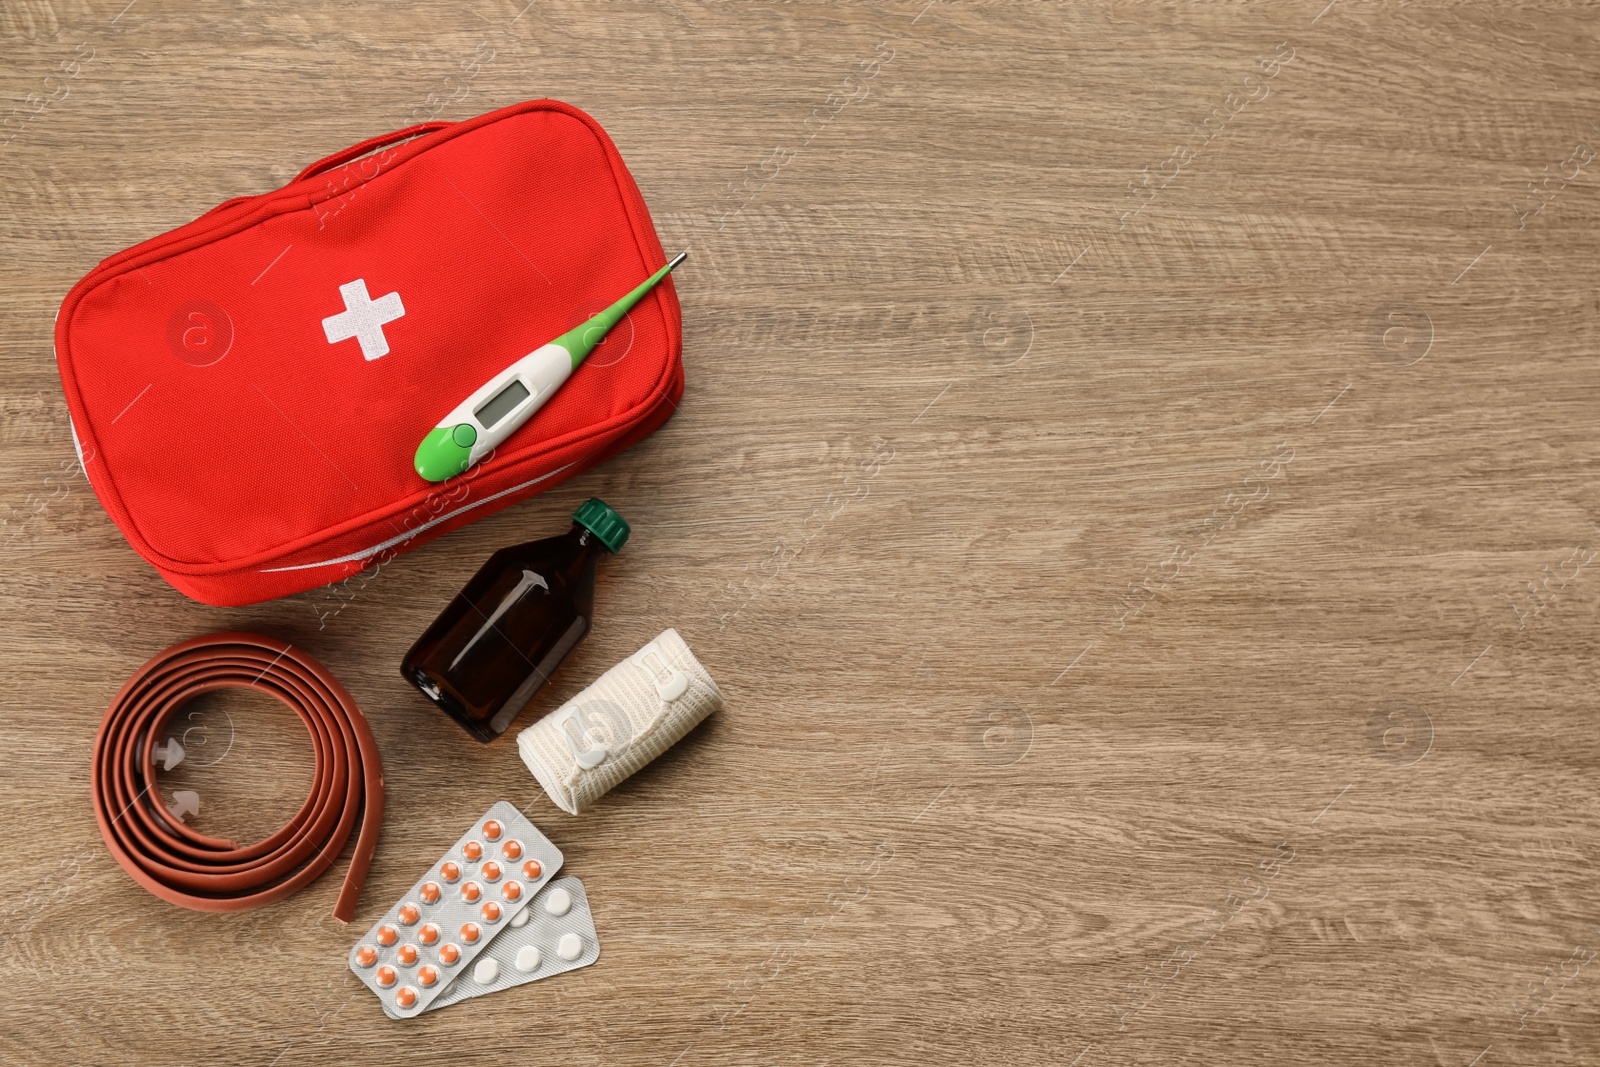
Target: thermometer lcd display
{"points": [[502, 403]]}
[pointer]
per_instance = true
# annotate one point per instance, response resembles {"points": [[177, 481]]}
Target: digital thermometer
{"points": [[495, 410]]}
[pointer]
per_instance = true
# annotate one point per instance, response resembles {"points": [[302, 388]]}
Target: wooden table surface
{"points": [[1135, 485]]}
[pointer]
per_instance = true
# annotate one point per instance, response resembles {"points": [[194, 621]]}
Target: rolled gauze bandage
{"points": [[629, 716]]}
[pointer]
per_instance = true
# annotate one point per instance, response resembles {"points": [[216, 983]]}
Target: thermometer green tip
{"points": [[583, 339]]}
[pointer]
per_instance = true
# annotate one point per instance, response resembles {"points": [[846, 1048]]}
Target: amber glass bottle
{"points": [[490, 652]]}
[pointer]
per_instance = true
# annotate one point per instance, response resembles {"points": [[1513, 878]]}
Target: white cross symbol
{"points": [[363, 318]]}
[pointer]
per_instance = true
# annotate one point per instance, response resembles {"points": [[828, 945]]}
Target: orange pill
{"points": [[428, 934], [511, 890], [449, 953], [469, 932], [532, 869], [407, 955], [511, 850], [366, 955], [449, 870], [491, 830], [429, 892], [470, 891], [386, 976], [387, 934], [409, 913], [405, 997], [426, 975], [490, 871], [491, 912], [472, 850]]}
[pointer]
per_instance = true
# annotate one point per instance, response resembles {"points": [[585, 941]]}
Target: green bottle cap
{"points": [[596, 516]]}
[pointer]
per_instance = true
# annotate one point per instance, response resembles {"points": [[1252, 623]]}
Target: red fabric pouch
{"points": [[248, 416]]}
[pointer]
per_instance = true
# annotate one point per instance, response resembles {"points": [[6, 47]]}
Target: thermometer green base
{"points": [[446, 451]]}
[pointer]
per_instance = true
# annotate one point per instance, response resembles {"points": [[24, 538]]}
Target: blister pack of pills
{"points": [[454, 911], [552, 935]]}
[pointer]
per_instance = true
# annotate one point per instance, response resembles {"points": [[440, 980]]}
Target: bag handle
{"points": [[340, 158]]}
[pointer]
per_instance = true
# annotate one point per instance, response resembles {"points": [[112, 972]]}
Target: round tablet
{"points": [[558, 901], [491, 912], [429, 892], [386, 976], [490, 871], [472, 850], [428, 933], [387, 934], [570, 947], [450, 870], [427, 974], [469, 932], [471, 891], [485, 971], [532, 869], [528, 958], [366, 955], [512, 850], [405, 997], [491, 830], [409, 913], [406, 954], [449, 953], [520, 919], [511, 890]]}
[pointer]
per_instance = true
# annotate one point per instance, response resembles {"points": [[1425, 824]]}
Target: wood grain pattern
{"points": [[1119, 446]]}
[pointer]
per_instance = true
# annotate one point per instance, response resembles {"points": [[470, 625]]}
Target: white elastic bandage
{"points": [[629, 716]]}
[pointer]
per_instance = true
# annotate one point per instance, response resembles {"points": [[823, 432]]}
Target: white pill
{"points": [[520, 919], [570, 947], [528, 958], [558, 901], [485, 971]]}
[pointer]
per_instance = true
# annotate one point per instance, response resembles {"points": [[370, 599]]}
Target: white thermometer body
{"points": [[502, 404]]}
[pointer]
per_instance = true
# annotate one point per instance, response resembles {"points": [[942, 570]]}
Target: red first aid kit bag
{"points": [[247, 392]]}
